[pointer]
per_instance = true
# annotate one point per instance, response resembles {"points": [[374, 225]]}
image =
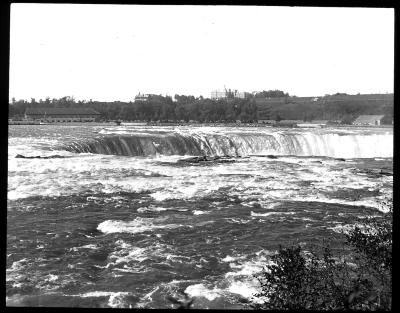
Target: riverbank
{"points": [[278, 125], [64, 124], [284, 125]]}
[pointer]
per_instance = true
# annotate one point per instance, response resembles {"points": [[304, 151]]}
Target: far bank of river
{"points": [[122, 123]]}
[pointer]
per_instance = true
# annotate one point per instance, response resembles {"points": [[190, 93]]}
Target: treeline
{"points": [[156, 108], [265, 105], [230, 94], [270, 94]]}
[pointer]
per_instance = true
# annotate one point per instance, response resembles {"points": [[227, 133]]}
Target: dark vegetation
{"points": [[339, 107], [157, 108], [358, 277], [267, 105]]}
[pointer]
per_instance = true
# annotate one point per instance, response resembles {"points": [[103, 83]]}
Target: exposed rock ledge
{"points": [[56, 156], [205, 158]]}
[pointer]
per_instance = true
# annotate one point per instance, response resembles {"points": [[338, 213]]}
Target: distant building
{"points": [[61, 114], [143, 97], [240, 95], [217, 94], [368, 120]]}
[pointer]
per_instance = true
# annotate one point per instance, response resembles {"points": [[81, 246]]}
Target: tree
{"points": [[320, 281], [271, 94]]}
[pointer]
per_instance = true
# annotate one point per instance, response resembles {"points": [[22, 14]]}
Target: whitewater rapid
{"points": [[110, 216], [238, 142]]}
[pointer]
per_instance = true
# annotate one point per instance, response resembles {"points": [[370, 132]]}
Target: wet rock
{"points": [[376, 172], [193, 159], [340, 159], [20, 156], [216, 159], [270, 156], [226, 161], [56, 156]]}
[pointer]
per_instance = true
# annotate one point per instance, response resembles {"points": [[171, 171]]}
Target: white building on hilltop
{"points": [[143, 97], [217, 94]]}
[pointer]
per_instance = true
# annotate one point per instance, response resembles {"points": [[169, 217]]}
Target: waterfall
{"points": [[237, 144]]}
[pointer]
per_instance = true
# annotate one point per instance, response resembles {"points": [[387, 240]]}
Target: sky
{"points": [[113, 52]]}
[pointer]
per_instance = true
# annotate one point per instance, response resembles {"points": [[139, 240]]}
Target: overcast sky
{"points": [[112, 52]]}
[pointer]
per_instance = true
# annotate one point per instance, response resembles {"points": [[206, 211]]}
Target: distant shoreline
{"points": [[122, 124], [24, 123]]}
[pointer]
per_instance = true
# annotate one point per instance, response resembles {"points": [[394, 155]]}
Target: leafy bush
{"points": [[357, 278]]}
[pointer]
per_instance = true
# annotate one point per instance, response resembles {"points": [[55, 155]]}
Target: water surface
{"points": [[109, 216]]}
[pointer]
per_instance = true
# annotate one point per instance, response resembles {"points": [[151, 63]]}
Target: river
{"points": [[109, 216]]}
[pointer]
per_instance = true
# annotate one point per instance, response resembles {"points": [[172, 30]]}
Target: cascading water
{"points": [[240, 144], [93, 229]]}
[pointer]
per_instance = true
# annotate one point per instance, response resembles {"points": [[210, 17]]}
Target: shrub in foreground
{"points": [[358, 278]]}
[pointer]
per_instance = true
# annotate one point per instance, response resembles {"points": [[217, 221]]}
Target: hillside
{"points": [[185, 108], [335, 107]]}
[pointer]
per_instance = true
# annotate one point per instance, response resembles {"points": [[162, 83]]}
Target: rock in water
{"points": [[192, 160], [20, 156], [207, 159], [56, 156], [270, 156]]}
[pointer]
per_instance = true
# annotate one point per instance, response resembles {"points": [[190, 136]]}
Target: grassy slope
{"points": [[326, 108]]}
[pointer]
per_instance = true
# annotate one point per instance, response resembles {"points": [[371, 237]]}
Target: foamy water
{"points": [[92, 225]]}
